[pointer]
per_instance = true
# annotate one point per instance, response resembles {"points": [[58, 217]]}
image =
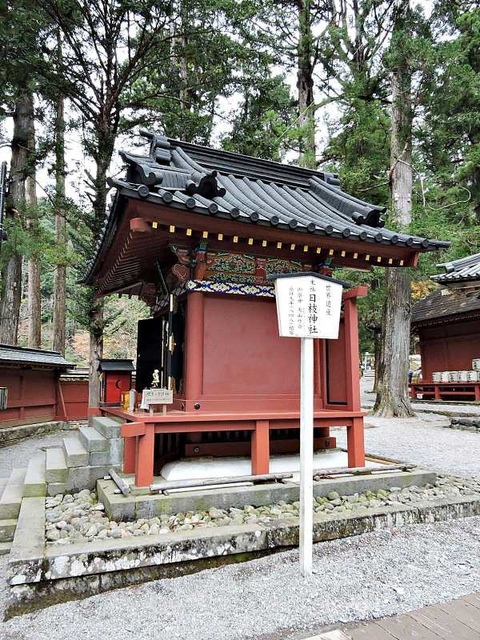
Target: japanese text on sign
{"points": [[308, 307]]}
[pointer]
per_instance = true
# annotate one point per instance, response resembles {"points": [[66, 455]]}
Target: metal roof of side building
{"points": [[24, 357], [459, 271], [444, 305], [116, 364]]}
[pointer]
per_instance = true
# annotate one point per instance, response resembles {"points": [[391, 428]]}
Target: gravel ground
{"points": [[359, 578], [18, 455], [423, 441]]}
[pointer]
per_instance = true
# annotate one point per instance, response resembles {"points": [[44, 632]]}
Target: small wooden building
{"points": [[30, 381], [448, 326], [194, 232], [116, 379]]}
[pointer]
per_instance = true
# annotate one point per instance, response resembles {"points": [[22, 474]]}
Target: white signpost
{"points": [[308, 307]]}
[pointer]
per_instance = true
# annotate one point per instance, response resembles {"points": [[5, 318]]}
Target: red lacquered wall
{"points": [[245, 364], [116, 383], [335, 376], [449, 347], [32, 395], [243, 352], [36, 395], [75, 398]]}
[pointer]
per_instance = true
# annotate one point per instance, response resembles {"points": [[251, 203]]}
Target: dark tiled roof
{"points": [[30, 357], [443, 304], [116, 365], [458, 271], [252, 190]]}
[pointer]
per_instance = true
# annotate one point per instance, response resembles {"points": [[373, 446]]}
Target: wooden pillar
{"points": [[356, 443], [21, 412], [129, 454], [352, 362], [261, 448], [145, 457], [355, 433], [319, 351], [60, 411], [194, 347]]}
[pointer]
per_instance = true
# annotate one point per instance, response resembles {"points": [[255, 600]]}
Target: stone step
{"points": [[91, 439], [7, 530], [5, 548], [75, 453], [12, 495], [108, 427], [56, 469], [3, 484], [35, 485]]}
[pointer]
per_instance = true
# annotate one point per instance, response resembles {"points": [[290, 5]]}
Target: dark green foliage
{"points": [[450, 136], [263, 122]]}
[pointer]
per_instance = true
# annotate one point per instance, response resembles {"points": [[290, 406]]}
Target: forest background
{"points": [[384, 92]]}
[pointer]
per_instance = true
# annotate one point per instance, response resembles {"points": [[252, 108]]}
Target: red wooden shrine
{"points": [[116, 379], [194, 232], [447, 323]]}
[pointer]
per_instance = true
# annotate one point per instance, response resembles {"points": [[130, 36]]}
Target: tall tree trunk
{"points": [[60, 278], [96, 351], [306, 102], [34, 300], [392, 387], [106, 141], [12, 269], [392, 391]]}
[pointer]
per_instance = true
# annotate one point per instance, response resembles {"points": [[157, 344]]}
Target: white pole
{"points": [[306, 456]]}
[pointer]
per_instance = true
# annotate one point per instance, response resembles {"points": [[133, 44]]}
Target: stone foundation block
{"points": [[115, 451], [108, 427], [54, 488], [97, 458]]}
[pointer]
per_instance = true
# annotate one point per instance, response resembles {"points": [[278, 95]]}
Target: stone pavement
{"points": [[457, 620]]}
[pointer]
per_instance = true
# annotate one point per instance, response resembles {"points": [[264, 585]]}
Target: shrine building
{"points": [[448, 329], [195, 233]]}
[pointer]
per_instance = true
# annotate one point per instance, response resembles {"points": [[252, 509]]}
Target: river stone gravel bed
{"points": [[80, 517]]}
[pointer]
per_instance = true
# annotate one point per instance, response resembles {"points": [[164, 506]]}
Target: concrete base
{"points": [[119, 507], [195, 468]]}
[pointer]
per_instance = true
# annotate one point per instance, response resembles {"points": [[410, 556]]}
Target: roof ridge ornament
{"points": [[160, 148], [205, 185], [358, 211]]}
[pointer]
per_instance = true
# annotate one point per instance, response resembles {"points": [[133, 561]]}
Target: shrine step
{"points": [[56, 470], [35, 484], [12, 495], [106, 426], [7, 529], [5, 548], [3, 484], [92, 440], [75, 453]]}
